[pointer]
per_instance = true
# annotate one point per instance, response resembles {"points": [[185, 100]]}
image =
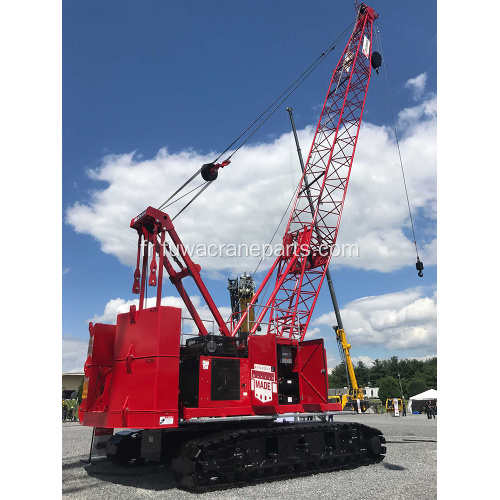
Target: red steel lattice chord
{"points": [[312, 229]]}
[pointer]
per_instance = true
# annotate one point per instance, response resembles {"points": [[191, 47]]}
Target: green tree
{"points": [[417, 385], [405, 384], [79, 392], [362, 374], [388, 387], [430, 373], [338, 378], [393, 367], [377, 371]]}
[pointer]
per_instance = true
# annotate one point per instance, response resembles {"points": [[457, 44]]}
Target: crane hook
{"points": [[420, 267]]}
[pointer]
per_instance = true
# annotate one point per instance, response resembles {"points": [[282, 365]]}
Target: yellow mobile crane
{"points": [[355, 393], [349, 400], [241, 292]]}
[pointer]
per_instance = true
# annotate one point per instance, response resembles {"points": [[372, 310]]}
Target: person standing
{"points": [[433, 414], [427, 409], [64, 410], [404, 409]]}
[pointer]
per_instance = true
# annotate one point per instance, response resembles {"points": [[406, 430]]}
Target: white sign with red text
{"points": [[263, 382]]}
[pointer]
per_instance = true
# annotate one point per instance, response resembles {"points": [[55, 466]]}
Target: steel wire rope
{"points": [[182, 187], [313, 65], [397, 141], [272, 238], [279, 225], [180, 197], [300, 79], [192, 199]]}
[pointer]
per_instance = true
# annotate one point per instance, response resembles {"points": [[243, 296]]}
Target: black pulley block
{"points": [[206, 172], [420, 267], [376, 60]]}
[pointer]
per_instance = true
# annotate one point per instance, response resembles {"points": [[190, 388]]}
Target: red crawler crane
{"points": [[211, 404]]}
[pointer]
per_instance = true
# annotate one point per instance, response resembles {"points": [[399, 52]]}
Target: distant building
{"points": [[337, 392], [369, 392], [70, 383]]}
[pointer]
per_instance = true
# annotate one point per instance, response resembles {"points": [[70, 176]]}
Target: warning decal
{"points": [[166, 420]]}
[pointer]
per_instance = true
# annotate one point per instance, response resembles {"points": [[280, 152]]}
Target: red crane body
{"points": [[143, 358], [140, 374]]}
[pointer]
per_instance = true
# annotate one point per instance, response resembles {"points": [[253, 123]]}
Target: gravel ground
{"points": [[408, 469]]}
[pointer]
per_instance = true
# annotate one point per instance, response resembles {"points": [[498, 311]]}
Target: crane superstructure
{"points": [[211, 405]]}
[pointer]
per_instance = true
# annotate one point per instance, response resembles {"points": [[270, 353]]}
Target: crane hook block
{"points": [[420, 267], [376, 61]]}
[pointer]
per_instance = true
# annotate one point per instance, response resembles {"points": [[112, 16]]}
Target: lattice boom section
{"points": [[320, 199]]}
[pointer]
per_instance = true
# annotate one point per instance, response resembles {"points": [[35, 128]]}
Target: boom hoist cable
{"points": [[209, 171], [419, 264]]}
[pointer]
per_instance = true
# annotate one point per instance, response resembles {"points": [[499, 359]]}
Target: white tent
{"points": [[424, 396]]}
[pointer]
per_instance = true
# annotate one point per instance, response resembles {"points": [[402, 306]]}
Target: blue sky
{"points": [[185, 78]]}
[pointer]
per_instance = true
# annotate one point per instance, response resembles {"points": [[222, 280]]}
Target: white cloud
{"points": [[331, 363], [120, 306], [366, 360], [65, 270], [401, 320], [246, 203], [417, 85], [74, 350], [424, 358], [312, 333], [74, 354]]}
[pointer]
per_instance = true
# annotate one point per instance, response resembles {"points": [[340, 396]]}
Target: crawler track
{"points": [[233, 458]]}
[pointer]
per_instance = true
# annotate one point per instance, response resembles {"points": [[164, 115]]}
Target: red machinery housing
{"points": [[156, 381]]}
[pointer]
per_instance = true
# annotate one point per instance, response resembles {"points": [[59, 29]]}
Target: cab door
{"points": [[313, 380]]}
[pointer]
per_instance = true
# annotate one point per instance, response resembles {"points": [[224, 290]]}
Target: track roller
{"points": [[234, 458]]}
